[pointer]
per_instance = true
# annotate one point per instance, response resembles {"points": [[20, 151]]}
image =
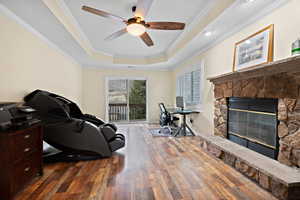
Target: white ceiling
{"points": [[36, 16], [97, 28]]}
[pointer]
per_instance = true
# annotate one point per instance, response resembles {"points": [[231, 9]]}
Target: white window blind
{"points": [[188, 85], [196, 88]]}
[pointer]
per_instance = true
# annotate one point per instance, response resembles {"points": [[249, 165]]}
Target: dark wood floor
{"points": [[148, 168]]}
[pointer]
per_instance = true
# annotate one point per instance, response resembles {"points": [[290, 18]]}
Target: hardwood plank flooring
{"points": [[147, 168]]}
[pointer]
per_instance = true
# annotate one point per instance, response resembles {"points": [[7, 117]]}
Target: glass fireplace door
{"points": [[253, 123]]}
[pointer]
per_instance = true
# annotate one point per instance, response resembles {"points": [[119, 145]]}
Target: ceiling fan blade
{"points": [[166, 25], [147, 39], [116, 35], [103, 13], [142, 8]]}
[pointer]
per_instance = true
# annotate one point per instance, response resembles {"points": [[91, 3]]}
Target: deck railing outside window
{"points": [[119, 112]]}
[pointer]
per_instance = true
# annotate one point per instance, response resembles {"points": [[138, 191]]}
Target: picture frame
{"points": [[255, 50]]}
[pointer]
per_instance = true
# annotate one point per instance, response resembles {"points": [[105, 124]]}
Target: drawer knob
{"points": [[27, 136], [27, 149], [27, 169]]}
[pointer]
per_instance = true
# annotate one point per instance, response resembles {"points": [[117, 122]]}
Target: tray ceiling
{"points": [[97, 28], [80, 35]]}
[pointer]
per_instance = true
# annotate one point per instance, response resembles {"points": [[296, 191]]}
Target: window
{"points": [[126, 99], [189, 85]]}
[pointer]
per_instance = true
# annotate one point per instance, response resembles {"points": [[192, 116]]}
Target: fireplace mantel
{"points": [[288, 65], [276, 80]]}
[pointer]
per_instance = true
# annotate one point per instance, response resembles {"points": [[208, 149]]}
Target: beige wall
{"points": [[219, 59], [28, 63], [94, 87]]}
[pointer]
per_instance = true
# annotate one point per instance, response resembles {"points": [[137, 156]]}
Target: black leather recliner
{"points": [[79, 136]]}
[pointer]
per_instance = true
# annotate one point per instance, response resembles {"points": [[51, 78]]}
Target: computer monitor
{"points": [[180, 102]]}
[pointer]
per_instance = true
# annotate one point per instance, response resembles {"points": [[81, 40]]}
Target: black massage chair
{"points": [[78, 136]]}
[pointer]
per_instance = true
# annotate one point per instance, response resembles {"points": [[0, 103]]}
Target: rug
{"points": [[160, 132]]}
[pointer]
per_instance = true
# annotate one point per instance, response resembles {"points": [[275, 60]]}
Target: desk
{"points": [[182, 129]]}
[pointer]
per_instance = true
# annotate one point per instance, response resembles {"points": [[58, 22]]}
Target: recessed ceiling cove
{"points": [[81, 35], [96, 28]]}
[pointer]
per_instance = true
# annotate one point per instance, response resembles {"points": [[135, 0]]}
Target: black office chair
{"points": [[166, 120]]}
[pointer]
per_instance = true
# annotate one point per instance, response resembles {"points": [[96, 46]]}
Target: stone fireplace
{"points": [[283, 87], [259, 108]]}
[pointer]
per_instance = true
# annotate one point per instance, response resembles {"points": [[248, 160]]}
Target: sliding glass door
{"points": [[137, 100], [117, 100], [127, 100]]}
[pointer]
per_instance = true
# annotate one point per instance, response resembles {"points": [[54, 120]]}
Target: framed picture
{"points": [[255, 50]]}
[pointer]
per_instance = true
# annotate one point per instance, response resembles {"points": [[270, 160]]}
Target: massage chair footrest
{"points": [[108, 132], [117, 143]]}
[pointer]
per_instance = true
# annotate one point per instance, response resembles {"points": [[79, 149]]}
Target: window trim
{"points": [[189, 69]]}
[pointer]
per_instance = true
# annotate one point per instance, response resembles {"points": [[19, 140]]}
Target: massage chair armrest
{"points": [[114, 127], [93, 119]]}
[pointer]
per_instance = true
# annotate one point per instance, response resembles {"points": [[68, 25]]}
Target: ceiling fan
{"points": [[136, 25]]}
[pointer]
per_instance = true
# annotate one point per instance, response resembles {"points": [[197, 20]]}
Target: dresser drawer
{"points": [[26, 142], [21, 156], [24, 171]]}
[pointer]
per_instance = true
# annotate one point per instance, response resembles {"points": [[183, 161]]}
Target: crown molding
{"points": [[168, 66], [237, 29], [135, 68], [94, 53], [159, 58], [62, 4], [191, 26], [32, 30], [216, 9]]}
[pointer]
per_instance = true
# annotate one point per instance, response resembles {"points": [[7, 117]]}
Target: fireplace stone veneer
{"points": [[288, 110], [278, 80]]}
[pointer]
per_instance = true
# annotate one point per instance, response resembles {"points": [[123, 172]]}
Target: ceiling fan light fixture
{"points": [[136, 29]]}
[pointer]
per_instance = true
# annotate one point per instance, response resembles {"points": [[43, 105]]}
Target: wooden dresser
{"points": [[20, 159]]}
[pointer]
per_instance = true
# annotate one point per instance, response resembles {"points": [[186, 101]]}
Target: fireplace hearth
{"points": [[252, 123], [259, 108]]}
